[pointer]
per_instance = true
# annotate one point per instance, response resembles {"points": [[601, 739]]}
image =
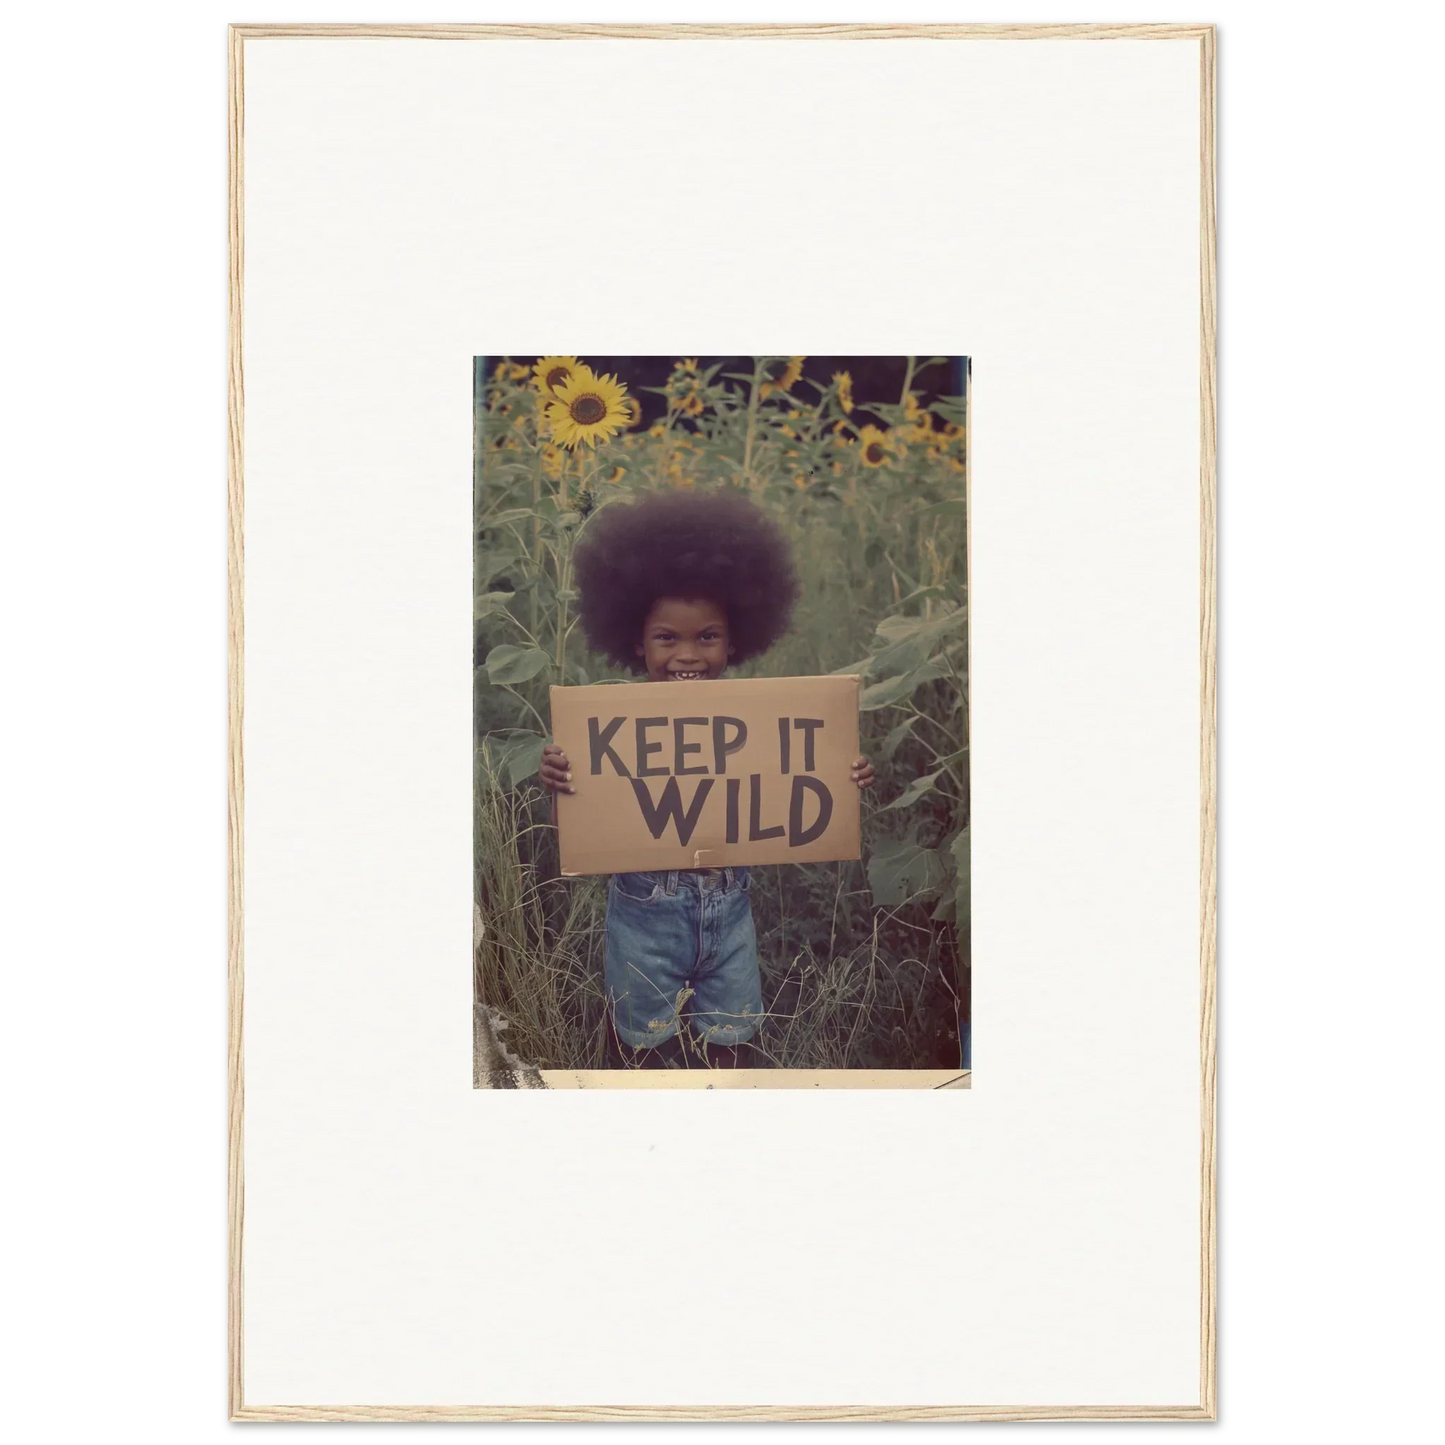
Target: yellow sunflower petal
{"points": [[588, 408], [875, 446], [781, 376], [550, 372]]}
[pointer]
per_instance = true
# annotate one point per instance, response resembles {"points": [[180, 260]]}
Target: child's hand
{"points": [[863, 773], [555, 772]]}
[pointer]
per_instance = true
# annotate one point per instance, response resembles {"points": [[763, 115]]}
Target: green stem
{"points": [[506, 687], [907, 381], [535, 551], [752, 419], [517, 622], [564, 571], [926, 718]]}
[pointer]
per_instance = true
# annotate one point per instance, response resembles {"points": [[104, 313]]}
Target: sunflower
{"points": [[876, 445], [689, 365], [918, 421], [843, 380], [784, 379], [633, 408], [588, 408], [553, 459], [550, 372], [691, 404]]}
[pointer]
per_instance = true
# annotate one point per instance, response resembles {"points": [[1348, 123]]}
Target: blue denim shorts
{"points": [[682, 945]]}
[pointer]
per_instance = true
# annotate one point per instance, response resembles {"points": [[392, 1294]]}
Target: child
{"points": [[676, 586]]}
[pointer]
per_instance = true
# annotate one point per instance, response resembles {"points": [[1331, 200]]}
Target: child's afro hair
{"points": [[714, 545]]}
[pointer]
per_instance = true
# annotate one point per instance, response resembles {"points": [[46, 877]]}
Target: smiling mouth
{"points": [[691, 675]]}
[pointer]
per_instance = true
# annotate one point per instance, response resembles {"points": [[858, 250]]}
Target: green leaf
{"points": [[909, 640], [894, 740], [490, 603], [861, 668], [895, 689], [922, 594], [900, 869], [917, 789], [963, 882], [504, 519], [955, 414], [513, 756], [492, 562], [902, 656], [896, 627], [949, 507], [509, 664]]}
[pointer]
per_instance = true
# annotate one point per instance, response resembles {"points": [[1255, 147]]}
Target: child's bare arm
{"points": [[863, 772], [555, 773]]}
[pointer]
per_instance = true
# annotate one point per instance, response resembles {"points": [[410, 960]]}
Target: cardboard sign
{"points": [[708, 774]]}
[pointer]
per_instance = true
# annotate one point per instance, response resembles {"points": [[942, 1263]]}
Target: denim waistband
{"points": [[698, 880]]}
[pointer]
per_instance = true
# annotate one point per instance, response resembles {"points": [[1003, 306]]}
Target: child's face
{"points": [[684, 639]]}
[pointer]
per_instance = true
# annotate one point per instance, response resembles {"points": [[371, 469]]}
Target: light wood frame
{"points": [[1205, 1408]]}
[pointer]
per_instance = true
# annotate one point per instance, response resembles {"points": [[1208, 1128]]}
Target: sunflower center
{"points": [[556, 377], [588, 409], [875, 452]]}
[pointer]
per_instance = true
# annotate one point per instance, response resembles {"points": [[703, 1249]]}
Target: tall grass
{"points": [[864, 964]]}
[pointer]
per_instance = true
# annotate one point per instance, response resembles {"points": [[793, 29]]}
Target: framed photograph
{"points": [[722, 650], [684, 888]]}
